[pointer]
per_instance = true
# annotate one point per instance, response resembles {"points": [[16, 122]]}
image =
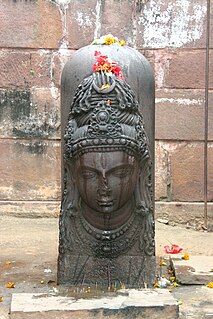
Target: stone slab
{"points": [[197, 302], [40, 24], [195, 271], [146, 303]]}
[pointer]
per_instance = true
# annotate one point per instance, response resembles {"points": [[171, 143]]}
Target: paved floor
{"points": [[31, 245]]}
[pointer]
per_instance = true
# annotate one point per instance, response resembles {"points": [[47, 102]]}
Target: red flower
{"points": [[103, 64], [174, 249], [117, 71]]}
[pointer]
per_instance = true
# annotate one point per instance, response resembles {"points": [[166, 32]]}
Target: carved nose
{"points": [[104, 189]]}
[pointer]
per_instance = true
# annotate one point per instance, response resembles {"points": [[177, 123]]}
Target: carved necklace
{"points": [[107, 243], [107, 234]]}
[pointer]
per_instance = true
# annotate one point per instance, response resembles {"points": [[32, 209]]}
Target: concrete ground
{"points": [[31, 247]]}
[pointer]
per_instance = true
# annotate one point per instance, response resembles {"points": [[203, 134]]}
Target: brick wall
{"points": [[37, 37]]}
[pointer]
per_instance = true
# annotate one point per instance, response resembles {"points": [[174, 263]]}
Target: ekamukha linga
{"points": [[107, 208]]}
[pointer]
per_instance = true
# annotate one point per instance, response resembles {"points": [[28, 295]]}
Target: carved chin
{"points": [[105, 207]]}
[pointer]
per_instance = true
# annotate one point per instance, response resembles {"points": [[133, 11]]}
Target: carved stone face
{"points": [[106, 180]]}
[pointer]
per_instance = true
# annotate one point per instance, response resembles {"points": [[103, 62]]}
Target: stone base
{"points": [[129, 271], [127, 304], [195, 271]]}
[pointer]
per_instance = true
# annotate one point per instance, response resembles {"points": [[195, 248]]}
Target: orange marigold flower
{"points": [[122, 43], [210, 284], [162, 262], [170, 271], [10, 285], [109, 40], [185, 256]]}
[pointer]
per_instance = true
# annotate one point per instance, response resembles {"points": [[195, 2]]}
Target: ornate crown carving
{"points": [[105, 119]]}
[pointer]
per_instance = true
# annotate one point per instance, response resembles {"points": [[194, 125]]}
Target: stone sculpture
{"points": [[106, 222]]}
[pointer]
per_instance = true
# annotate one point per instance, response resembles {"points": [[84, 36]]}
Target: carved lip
{"points": [[105, 202]]}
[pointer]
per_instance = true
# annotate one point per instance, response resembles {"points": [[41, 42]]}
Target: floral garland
{"points": [[103, 63], [108, 40]]}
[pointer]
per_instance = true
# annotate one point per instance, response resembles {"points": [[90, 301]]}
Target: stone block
{"points": [[30, 209], [185, 181], [197, 301], [165, 24], [187, 70], [117, 19], [195, 271], [24, 69], [30, 170], [58, 62], [150, 56], [30, 113], [191, 213], [30, 24], [129, 304], [162, 59], [211, 25], [187, 171], [210, 116], [162, 172], [82, 21], [180, 114], [92, 19]]}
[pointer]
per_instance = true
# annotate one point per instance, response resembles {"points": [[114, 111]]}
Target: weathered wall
{"points": [[37, 37]]}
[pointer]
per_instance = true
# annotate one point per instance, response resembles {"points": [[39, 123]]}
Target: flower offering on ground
{"points": [[11, 285], [173, 249], [162, 262], [185, 256]]}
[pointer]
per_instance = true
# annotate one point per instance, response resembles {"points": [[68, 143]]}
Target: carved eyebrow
{"points": [[88, 168], [122, 166]]}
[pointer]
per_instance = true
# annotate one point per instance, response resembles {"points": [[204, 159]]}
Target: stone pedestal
{"points": [[137, 271], [128, 304]]}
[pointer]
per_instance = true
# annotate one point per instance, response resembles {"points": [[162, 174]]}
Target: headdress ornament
{"points": [[105, 115]]}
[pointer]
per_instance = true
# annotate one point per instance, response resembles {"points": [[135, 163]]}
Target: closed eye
{"points": [[87, 173], [122, 172]]}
